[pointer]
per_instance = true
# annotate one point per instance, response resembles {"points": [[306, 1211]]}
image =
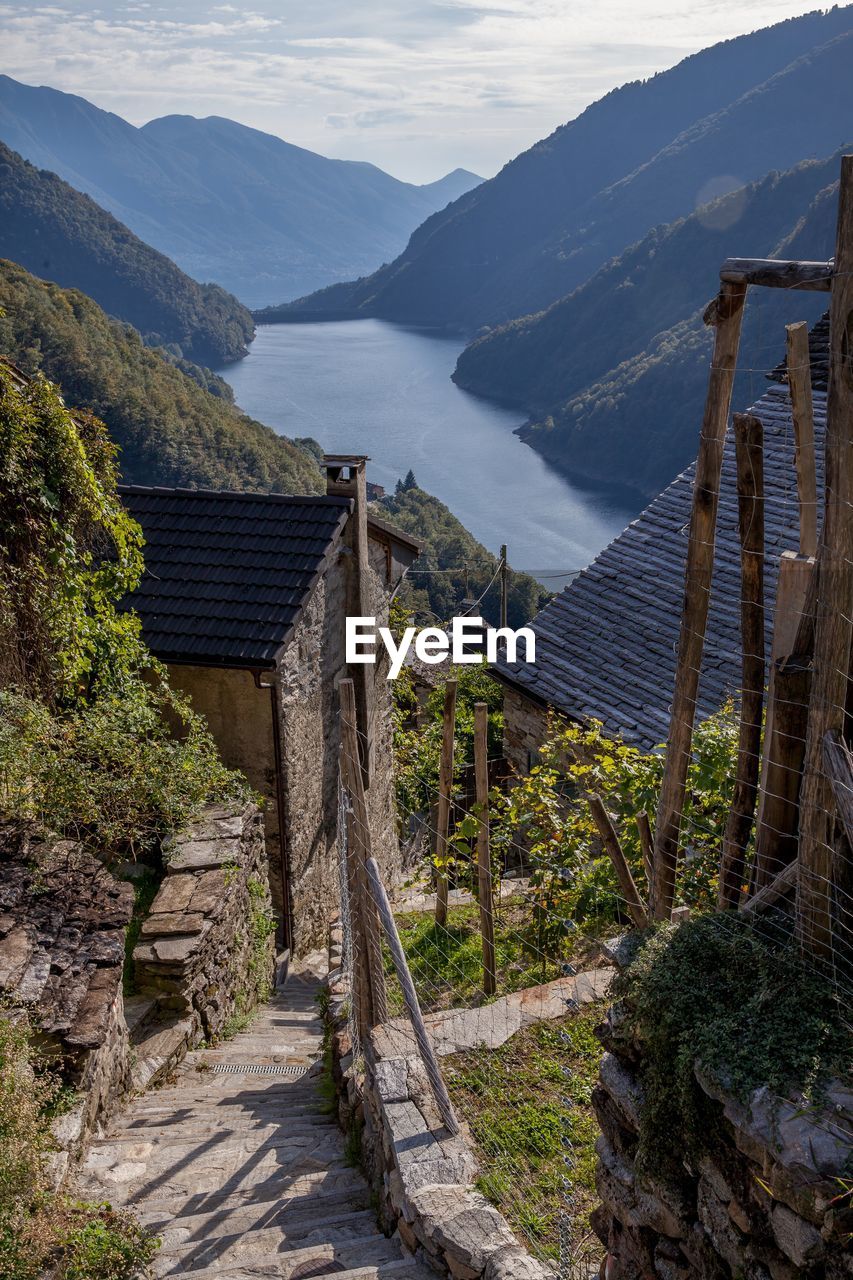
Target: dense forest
{"points": [[61, 235], [640, 156], [170, 430], [453, 569], [614, 375]]}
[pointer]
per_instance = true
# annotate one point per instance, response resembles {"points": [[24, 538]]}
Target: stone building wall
{"points": [[761, 1204], [525, 729]]}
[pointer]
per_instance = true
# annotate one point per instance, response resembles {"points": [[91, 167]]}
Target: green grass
{"points": [[447, 962], [520, 1101]]}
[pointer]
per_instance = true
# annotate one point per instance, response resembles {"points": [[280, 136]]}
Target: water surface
{"points": [[367, 386]]}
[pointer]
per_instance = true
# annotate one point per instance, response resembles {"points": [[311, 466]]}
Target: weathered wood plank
{"points": [[838, 762], [610, 840], [778, 887], [647, 844], [727, 313], [802, 410], [749, 452], [818, 869], [445, 787], [484, 863], [778, 273]]}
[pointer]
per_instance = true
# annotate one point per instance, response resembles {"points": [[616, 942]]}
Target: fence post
{"points": [[726, 312], [802, 412], [445, 787], [373, 1005], [383, 906], [749, 448], [818, 810], [484, 861]]}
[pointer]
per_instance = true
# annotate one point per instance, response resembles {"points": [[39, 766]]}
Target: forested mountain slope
{"points": [[169, 430], [642, 155], [635, 416], [263, 218], [61, 235]]}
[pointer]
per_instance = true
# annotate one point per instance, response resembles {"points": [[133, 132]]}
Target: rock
{"points": [[623, 1087], [798, 1239], [513, 1263], [724, 1235], [15, 952], [392, 1079], [173, 923], [461, 1224]]}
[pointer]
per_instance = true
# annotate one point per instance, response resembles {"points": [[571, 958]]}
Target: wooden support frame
{"points": [[610, 840], [484, 862], [838, 762], [776, 273], [647, 844], [749, 451], [772, 892], [372, 1000], [802, 412], [833, 631], [445, 788], [727, 313]]}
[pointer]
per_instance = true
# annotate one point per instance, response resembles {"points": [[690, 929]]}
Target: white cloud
{"points": [[415, 85]]}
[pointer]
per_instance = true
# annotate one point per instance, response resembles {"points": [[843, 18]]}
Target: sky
{"points": [[418, 87]]}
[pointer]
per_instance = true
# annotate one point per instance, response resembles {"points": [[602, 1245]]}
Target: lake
{"points": [[367, 386]]}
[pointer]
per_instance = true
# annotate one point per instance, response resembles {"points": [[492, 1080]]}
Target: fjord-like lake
{"points": [[367, 386]]}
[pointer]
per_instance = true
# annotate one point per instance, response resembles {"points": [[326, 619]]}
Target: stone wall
{"points": [[758, 1205], [204, 951], [62, 923], [525, 729], [423, 1175]]}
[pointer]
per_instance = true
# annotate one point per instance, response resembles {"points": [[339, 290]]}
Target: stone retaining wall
{"points": [[761, 1204], [205, 949], [423, 1175]]}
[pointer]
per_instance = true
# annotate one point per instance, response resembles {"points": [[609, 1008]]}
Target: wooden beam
{"points": [[838, 762], [610, 840], [647, 845], [785, 722], [749, 452], [727, 313], [484, 862], [775, 273], [778, 887], [365, 921], [802, 410], [818, 861], [445, 788]]}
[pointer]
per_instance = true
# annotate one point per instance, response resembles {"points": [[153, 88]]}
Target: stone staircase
{"points": [[238, 1168]]}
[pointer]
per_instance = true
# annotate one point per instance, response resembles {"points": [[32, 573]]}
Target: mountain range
{"points": [[263, 218], [647, 153], [62, 235]]}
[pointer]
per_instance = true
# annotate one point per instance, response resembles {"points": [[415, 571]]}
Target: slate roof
{"points": [[228, 574], [606, 645]]}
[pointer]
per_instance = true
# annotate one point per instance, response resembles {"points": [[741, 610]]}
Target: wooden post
{"points": [[785, 721], [647, 845], [445, 788], [610, 840], [802, 411], [727, 313], [484, 863], [374, 1005], [504, 585], [749, 449], [818, 870]]}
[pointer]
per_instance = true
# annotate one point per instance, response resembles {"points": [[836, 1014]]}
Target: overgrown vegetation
{"points": [[453, 567], [93, 742], [145, 885], [171, 430], [521, 1101], [41, 1233], [254, 982], [743, 1005]]}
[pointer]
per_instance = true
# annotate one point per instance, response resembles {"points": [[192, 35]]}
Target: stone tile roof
{"points": [[228, 574], [606, 645]]}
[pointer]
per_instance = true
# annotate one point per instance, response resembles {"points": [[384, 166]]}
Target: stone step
{"points": [[403, 1268], [158, 1050], [259, 1132], [335, 1247], [319, 1188], [138, 1011], [297, 1217]]}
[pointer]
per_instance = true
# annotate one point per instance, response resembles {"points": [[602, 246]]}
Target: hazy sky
{"points": [[416, 86]]}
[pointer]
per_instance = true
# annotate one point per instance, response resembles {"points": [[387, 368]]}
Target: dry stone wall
{"points": [[761, 1204], [206, 948]]}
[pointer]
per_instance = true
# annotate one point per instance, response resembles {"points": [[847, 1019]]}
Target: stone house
{"points": [[606, 645], [244, 598]]}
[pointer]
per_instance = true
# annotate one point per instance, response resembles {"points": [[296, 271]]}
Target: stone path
{"points": [[243, 1175]]}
